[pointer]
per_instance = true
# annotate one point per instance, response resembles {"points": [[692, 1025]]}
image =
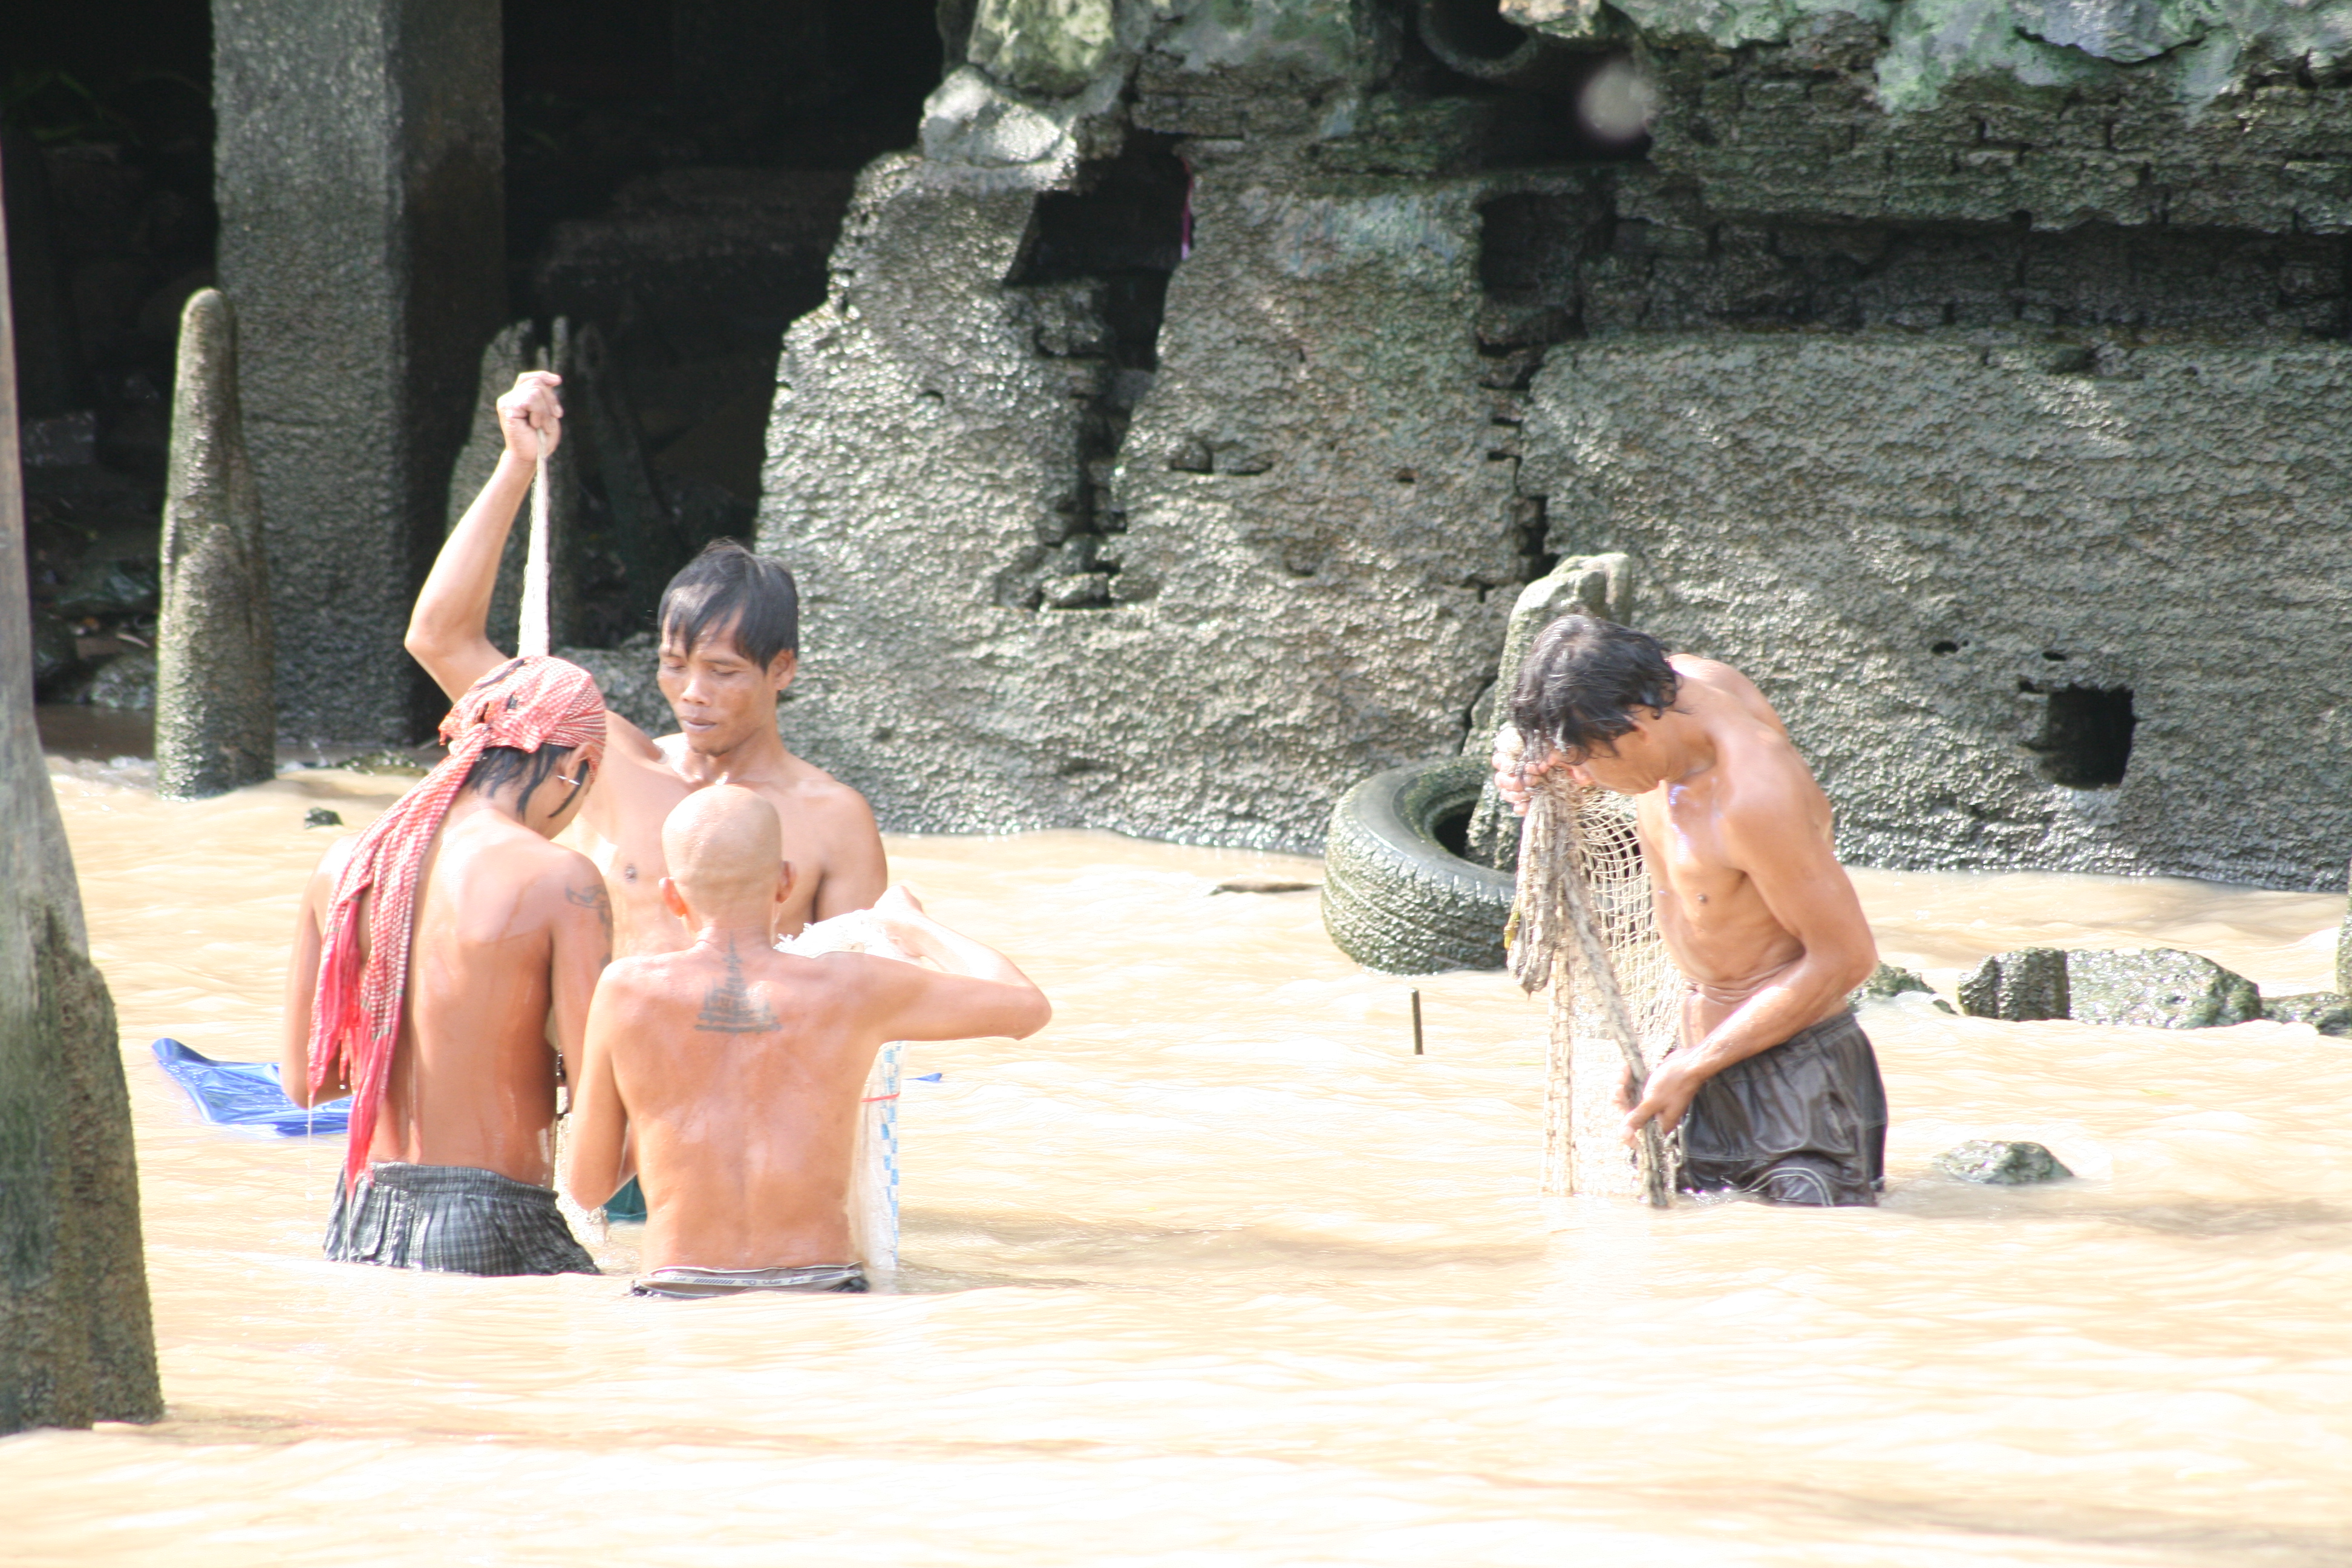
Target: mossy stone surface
{"points": [[2000, 1163], [2161, 988]]}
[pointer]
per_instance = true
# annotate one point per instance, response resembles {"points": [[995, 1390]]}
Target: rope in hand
{"points": [[533, 635]]}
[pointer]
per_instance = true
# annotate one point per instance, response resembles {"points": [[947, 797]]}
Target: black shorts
{"points": [[1802, 1122]]}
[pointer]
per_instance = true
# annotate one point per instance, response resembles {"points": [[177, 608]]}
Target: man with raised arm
{"points": [[443, 959], [729, 626], [1774, 1084], [733, 1072]]}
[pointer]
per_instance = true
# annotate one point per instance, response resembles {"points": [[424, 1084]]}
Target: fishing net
{"points": [[1583, 929], [873, 1165]]}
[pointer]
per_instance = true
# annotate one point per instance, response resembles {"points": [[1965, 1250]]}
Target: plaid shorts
{"points": [[454, 1219]]}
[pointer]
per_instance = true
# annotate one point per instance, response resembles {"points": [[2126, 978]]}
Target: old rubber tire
{"points": [[1396, 900]]}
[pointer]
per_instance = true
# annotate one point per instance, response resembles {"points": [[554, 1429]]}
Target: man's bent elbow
{"points": [[1034, 1015], [588, 1194], [1857, 968], [420, 643]]}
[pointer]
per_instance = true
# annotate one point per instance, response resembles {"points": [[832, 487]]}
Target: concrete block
{"points": [[358, 166]]}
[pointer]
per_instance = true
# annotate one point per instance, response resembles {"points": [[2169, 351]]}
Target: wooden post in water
{"points": [[77, 1341]]}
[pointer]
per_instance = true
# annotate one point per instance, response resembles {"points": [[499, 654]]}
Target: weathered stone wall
{"points": [[2024, 323], [1933, 552], [1288, 570], [361, 242]]}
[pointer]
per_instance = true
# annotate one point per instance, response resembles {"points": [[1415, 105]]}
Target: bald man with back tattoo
{"points": [[731, 1074]]}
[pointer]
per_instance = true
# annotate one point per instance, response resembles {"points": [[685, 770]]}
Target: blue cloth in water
{"points": [[246, 1094]]}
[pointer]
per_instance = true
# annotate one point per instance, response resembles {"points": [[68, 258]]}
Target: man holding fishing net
{"points": [[730, 625], [1772, 1082]]}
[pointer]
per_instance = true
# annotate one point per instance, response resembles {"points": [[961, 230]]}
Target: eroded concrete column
{"points": [[359, 174], [77, 1341], [216, 701]]}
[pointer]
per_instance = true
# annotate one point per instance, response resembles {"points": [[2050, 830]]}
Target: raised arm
{"points": [[976, 990], [449, 632], [595, 1144]]}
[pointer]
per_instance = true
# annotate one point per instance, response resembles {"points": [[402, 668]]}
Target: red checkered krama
{"points": [[525, 703]]}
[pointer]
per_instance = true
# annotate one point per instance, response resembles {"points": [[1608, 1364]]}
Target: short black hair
{"points": [[500, 767], [728, 585], [1582, 680]]}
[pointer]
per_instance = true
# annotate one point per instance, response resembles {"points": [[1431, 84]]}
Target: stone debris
{"points": [[1999, 1164], [320, 816], [2329, 1011], [2020, 987], [2161, 988], [626, 675], [126, 682], [1887, 983]]}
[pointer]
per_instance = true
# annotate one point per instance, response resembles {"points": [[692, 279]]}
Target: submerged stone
{"points": [[2019, 987], [2329, 1011], [1887, 983], [2157, 988], [320, 816], [1997, 1163]]}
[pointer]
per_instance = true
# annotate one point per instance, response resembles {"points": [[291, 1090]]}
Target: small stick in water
{"points": [[1416, 1021]]}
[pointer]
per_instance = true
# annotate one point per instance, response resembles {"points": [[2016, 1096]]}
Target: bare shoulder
{"points": [[838, 814], [1769, 804], [812, 786], [565, 878], [337, 854], [624, 739], [1713, 679]]}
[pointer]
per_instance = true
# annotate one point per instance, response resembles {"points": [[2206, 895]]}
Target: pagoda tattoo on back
{"points": [[728, 1007]]}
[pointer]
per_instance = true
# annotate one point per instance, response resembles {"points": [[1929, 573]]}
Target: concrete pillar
{"points": [[216, 701], [358, 166], [76, 1343]]}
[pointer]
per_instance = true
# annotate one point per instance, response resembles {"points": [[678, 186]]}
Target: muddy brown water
{"points": [[1214, 1271]]}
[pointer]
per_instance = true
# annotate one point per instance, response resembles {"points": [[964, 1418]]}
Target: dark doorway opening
{"points": [[2086, 738], [1097, 268], [106, 146], [676, 174]]}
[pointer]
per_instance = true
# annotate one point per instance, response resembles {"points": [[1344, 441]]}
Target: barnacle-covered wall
{"points": [[1187, 409]]}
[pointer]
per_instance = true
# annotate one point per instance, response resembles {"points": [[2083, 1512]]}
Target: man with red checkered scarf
{"points": [[443, 960]]}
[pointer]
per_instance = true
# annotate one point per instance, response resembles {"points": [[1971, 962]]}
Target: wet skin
{"points": [[725, 705], [731, 1076], [1751, 901], [511, 932]]}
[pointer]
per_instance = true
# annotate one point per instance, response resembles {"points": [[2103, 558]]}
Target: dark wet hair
{"points": [[725, 586], [1582, 680], [499, 768]]}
